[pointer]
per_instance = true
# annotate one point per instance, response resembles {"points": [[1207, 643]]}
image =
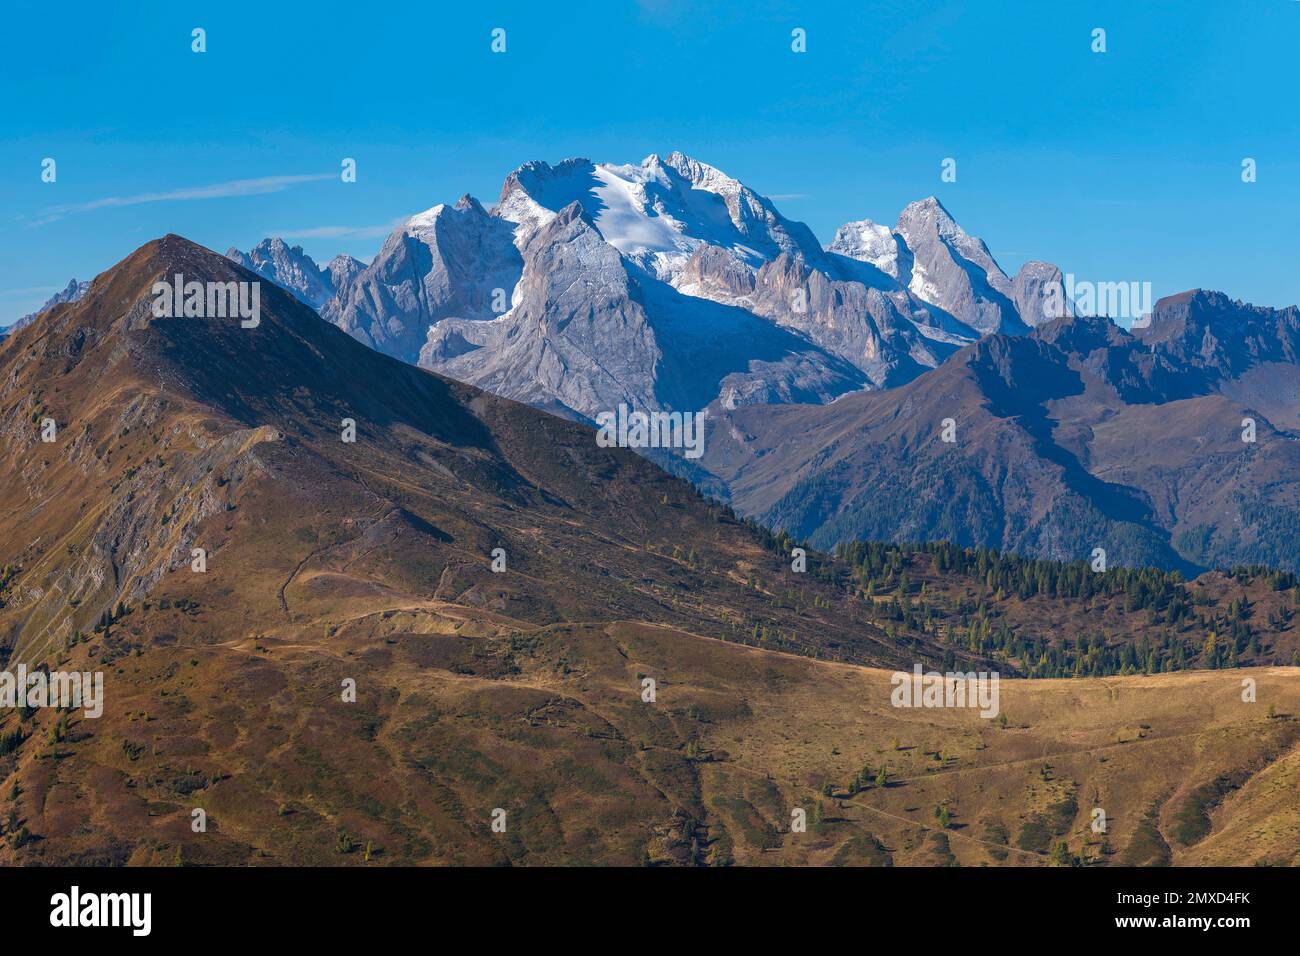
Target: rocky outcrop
{"points": [[290, 268], [449, 262]]}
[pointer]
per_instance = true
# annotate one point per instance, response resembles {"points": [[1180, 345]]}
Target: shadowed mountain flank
{"points": [[282, 449], [1171, 445]]}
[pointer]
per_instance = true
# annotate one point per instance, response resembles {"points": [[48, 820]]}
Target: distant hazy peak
{"points": [[71, 292]]}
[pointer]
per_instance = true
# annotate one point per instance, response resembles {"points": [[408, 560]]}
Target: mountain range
{"points": [[827, 374], [1176, 445], [242, 526], [664, 285], [670, 285], [164, 427]]}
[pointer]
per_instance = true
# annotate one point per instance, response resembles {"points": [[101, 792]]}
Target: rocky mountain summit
{"points": [[666, 284], [827, 372], [294, 271]]}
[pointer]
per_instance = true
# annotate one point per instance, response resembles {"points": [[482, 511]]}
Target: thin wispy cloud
{"points": [[33, 290], [231, 188], [785, 197], [379, 230]]}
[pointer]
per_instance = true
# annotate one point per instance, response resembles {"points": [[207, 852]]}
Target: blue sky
{"points": [[1117, 166]]}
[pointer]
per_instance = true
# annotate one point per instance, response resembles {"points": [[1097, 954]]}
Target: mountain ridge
{"points": [[668, 285], [1073, 435], [444, 289], [165, 425]]}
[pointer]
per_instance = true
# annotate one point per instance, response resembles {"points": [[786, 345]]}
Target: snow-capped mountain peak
{"points": [[954, 270], [665, 283], [536, 191], [658, 212], [876, 244], [426, 219]]}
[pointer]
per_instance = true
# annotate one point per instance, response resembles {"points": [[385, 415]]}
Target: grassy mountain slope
{"points": [[548, 725], [175, 434]]}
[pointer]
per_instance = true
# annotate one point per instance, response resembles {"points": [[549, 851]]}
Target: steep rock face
{"points": [[876, 245], [733, 302], [1197, 343], [718, 274], [950, 272], [875, 331], [955, 271], [1038, 292], [573, 311], [589, 330], [1221, 336], [343, 270], [449, 262], [290, 268]]}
